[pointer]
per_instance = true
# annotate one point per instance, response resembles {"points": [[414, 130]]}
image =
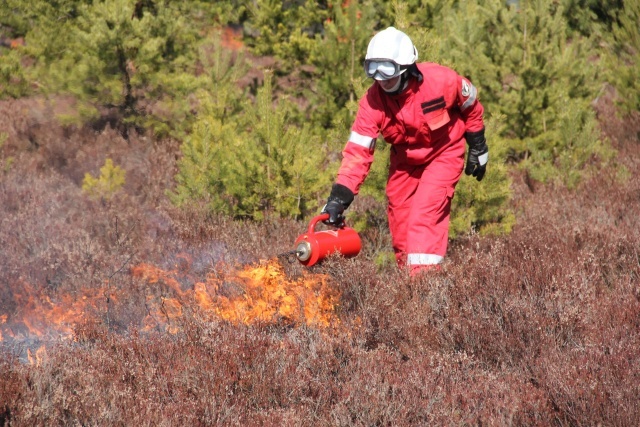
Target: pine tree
{"points": [[203, 167], [255, 166], [531, 73], [110, 181], [42, 25], [278, 166], [208, 150], [136, 59], [623, 60], [284, 29], [337, 57], [13, 81]]}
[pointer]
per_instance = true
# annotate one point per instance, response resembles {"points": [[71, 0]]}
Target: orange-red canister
{"points": [[313, 246]]}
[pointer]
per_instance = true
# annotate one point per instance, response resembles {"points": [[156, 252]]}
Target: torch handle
{"points": [[315, 220]]}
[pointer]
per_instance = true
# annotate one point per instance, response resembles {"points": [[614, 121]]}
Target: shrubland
{"points": [[151, 173], [537, 327]]}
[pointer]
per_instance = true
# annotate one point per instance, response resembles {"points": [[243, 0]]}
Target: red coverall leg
{"points": [[419, 208]]}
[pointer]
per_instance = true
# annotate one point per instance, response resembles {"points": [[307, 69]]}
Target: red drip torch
{"points": [[313, 246]]}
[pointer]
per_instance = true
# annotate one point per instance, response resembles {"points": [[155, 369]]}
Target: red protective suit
{"points": [[425, 124]]}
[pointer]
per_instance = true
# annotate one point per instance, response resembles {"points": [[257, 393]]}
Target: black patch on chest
{"points": [[433, 105]]}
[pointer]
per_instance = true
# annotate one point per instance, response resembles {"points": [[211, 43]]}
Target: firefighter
{"points": [[426, 112]]}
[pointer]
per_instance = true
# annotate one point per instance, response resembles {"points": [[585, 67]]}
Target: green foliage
{"points": [[138, 61], [268, 166], [110, 181], [384, 260], [43, 25], [160, 66], [483, 206], [202, 13], [221, 96], [280, 163], [337, 71], [623, 63], [13, 82], [591, 17], [530, 72], [566, 152], [203, 166], [284, 29], [5, 162]]}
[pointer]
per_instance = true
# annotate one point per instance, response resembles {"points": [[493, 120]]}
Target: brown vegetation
{"points": [[541, 327]]}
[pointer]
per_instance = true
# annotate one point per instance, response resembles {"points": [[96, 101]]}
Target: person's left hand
{"points": [[478, 155]]}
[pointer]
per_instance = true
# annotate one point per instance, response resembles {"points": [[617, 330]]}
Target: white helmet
{"points": [[389, 54]]}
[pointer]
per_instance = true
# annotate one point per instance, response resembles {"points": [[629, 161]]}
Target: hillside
{"points": [[126, 310]]}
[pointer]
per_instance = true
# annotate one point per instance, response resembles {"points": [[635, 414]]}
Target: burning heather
{"points": [[255, 294], [41, 316], [259, 294]]}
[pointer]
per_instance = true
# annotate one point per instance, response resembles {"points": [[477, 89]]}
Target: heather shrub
{"points": [[505, 334]]}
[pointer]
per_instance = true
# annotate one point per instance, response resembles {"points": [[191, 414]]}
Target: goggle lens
{"points": [[383, 68]]}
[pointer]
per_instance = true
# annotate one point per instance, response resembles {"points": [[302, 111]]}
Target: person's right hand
{"points": [[335, 209], [339, 200]]}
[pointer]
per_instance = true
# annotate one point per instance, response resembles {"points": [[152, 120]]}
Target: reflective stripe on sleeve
{"points": [[424, 259], [361, 140], [473, 93]]}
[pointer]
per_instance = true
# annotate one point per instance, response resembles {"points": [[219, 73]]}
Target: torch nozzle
{"points": [[303, 251], [292, 255]]}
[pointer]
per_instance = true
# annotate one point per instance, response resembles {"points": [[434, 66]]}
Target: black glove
{"points": [[478, 155], [339, 200]]}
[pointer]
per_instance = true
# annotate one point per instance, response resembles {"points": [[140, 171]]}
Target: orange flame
{"points": [[40, 313], [3, 319], [256, 295], [38, 356]]}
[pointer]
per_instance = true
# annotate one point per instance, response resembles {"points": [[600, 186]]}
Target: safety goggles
{"points": [[383, 69]]}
